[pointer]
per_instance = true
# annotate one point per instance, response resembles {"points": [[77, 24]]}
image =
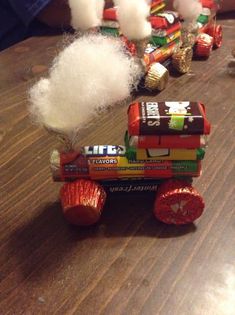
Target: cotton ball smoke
{"points": [[189, 9], [132, 17], [86, 14], [91, 74]]}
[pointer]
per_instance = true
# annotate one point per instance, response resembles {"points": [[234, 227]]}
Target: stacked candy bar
{"points": [[209, 10], [110, 24], [172, 133], [166, 35], [156, 6]]}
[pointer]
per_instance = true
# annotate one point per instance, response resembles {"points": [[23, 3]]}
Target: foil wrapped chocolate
{"points": [[182, 59], [156, 77], [82, 201], [177, 202]]}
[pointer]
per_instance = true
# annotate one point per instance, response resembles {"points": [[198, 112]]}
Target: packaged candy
{"points": [[160, 54], [164, 20], [170, 141], [167, 118], [156, 40], [165, 154], [178, 202], [82, 201], [110, 162]]}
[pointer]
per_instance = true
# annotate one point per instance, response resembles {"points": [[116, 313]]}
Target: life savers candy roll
{"points": [[156, 77], [110, 163], [182, 59], [177, 202], [178, 141], [82, 201], [167, 118], [204, 45], [160, 54]]}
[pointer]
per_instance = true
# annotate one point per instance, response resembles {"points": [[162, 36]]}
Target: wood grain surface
{"points": [[129, 263]]}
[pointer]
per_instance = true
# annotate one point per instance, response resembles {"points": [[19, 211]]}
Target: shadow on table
{"points": [[43, 244], [226, 15]]}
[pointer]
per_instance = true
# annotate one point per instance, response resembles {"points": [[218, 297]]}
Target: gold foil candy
{"points": [[156, 77], [181, 60], [188, 38]]}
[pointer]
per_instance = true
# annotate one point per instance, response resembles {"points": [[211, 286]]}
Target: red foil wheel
{"points": [[216, 32], [177, 202], [82, 201], [204, 45]]}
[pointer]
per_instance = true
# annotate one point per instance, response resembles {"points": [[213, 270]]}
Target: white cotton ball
{"points": [[92, 73], [188, 9], [132, 16], [86, 14]]}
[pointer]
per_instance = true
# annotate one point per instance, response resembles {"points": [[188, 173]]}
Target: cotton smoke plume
{"points": [[86, 14], [92, 73], [189, 9], [132, 17]]}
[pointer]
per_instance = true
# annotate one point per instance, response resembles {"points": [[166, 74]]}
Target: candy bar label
{"points": [[171, 17], [104, 150], [170, 118]]}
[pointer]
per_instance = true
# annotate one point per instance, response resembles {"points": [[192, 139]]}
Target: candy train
{"points": [[94, 171], [171, 42]]}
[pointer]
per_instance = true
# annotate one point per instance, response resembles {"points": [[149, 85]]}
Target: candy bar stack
{"points": [[209, 10], [171, 135], [110, 25]]}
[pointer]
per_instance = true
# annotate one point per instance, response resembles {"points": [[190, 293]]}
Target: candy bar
{"points": [[163, 141], [164, 20], [167, 118], [165, 154], [156, 40], [110, 14], [164, 32]]}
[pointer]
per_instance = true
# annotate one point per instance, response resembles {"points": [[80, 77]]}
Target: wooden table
{"points": [[129, 263]]}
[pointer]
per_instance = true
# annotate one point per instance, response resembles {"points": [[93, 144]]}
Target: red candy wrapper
{"points": [[177, 202], [164, 20], [110, 14], [204, 45], [167, 118], [210, 4], [82, 201], [215, 31]]}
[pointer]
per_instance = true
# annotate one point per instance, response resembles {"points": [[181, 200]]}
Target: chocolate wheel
{"points": [[218, 36], [177, 202], [182, 59], [82, 201], [204, 45]]}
